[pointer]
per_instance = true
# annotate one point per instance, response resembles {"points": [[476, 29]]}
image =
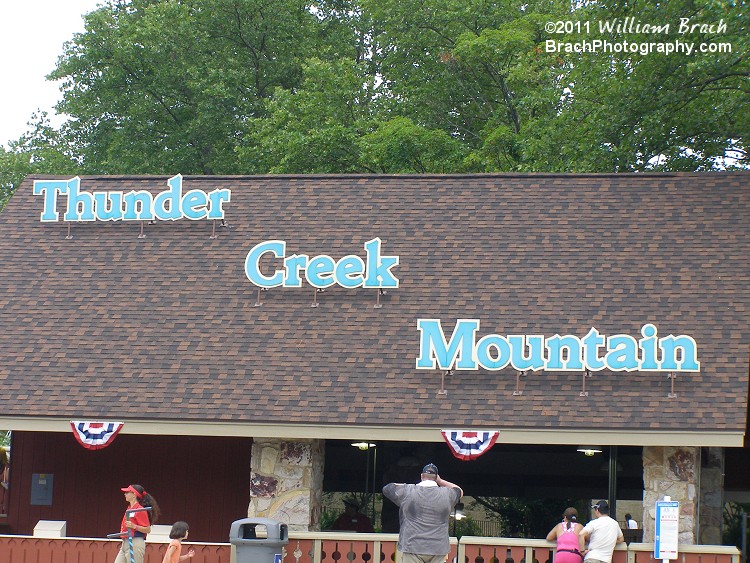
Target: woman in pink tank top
{"points": [[568, 541]]}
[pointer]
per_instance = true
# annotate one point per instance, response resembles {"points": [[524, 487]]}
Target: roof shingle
{"points": [[166, 327]]}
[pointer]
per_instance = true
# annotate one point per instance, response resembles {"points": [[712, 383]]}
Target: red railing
{"points": [[342, 547], [512, 550], [25, 549], [328, 547]]}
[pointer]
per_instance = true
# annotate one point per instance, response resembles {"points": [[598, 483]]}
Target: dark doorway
{"points": [[523, 472], [506, 470]]}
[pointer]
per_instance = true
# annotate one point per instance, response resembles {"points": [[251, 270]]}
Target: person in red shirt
{"points": [[138, 525], [352, 520]]}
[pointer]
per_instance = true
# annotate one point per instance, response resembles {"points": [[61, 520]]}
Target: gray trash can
{"points": [[257, 540]]}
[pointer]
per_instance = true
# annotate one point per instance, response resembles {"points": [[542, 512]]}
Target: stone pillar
{"points": [[286, 482], [710, 508], [674, 472]]}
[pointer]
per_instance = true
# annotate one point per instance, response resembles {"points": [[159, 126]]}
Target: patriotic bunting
{"points": [[95, 435], [469, 444]]}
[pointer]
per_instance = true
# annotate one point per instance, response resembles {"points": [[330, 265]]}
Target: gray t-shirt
{"points": [[424, 513]]}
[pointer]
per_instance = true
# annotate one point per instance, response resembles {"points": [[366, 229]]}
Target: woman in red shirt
{"points": [[136, 523]]}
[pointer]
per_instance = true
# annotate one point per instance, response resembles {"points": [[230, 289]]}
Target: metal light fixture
{"points": [[590, 450], [363, 445], [459, 513]]}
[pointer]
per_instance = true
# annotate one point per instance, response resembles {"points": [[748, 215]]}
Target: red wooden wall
{"points": [[202, 480]]}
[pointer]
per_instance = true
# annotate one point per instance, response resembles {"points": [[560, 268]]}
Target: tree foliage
{"points": [[526, 518], [645, 110], [42, 150], [171, 85], [394, 86], [732, 517]]}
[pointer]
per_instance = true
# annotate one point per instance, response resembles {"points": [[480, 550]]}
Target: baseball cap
{"points": [[602, 504], [430, 469]]}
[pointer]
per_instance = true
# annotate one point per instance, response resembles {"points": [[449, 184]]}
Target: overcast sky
{"points": [[32, 33]]}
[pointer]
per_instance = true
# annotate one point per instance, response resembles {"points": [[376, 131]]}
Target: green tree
{"points": [[732, 515], [157, 86], [312, 128], [470, 69], [42, 150], [482, 73], [465, 527], [393, 86], [640, 110], [526, 518], [14, 167], [399, 146], [333, 123]]}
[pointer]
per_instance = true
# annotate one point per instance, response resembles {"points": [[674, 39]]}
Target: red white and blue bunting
{"points": [[469, 444], [95, 435]]}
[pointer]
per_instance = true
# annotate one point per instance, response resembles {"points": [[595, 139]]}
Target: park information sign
{"points": [[667, 529]]}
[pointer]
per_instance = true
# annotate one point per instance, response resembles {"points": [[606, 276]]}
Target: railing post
{"points": [[743, 553], [317, 550]]}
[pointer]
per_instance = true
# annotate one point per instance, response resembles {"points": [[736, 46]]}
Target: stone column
{"points": [[710, 508], [286, 482], [674, 472]]}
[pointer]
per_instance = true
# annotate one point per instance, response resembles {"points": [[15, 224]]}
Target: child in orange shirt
{"points": [[178, 533]]}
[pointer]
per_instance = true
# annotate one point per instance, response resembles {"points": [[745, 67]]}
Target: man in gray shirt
{"points": [[424, 510]]}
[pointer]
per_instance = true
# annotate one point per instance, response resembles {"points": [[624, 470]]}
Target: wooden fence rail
{"points": [[334, 547]]}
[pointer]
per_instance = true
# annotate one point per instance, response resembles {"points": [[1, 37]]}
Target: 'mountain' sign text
{"points": [[594, 352]]}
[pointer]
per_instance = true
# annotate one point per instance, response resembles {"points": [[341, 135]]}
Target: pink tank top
{"points": [[568, 540]]}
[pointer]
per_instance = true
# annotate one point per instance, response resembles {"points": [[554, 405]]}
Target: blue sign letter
{"points": [[252, 263]]}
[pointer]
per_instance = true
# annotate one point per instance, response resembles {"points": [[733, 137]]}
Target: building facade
{"points": [[238, 325]]}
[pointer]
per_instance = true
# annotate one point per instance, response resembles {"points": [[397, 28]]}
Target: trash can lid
{"points": [[275, 530]]}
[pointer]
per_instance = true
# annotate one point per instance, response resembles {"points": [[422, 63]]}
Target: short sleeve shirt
{"points": [[424, 513], [139, 518], [603, 533], [176, 553]]}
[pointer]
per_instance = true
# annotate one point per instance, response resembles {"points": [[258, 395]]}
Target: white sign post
{"points": [[667, 529]]}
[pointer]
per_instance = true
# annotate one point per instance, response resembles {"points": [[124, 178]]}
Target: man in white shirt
{"points": [[603, 534]]}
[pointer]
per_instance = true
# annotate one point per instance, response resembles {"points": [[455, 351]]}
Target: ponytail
{"points": [[147, 501], [571, 517]]}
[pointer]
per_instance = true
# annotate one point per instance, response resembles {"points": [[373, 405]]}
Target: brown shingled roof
{"points": [[165, 327]]}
